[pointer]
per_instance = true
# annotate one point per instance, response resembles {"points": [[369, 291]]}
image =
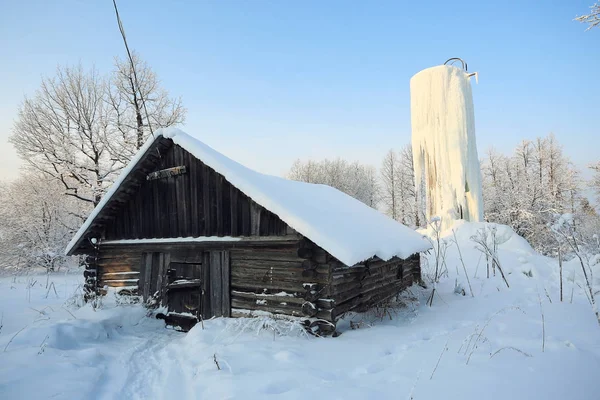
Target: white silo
{"points": [[446, 165]]}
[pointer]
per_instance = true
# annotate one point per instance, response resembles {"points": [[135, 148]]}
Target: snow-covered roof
{"points": [[348, 229]]}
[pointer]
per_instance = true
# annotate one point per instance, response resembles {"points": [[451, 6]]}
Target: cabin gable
{"points": [[180, 196]]}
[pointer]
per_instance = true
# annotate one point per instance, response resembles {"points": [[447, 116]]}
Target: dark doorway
{"points": [[193, 285], [184, 289]]}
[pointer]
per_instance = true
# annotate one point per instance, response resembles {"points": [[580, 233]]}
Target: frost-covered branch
{"points": [[592, 19]]}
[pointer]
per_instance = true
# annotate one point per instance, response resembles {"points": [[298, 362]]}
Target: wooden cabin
{"points": [[191, 230]]}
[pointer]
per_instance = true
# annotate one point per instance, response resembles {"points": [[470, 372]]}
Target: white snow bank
{"points": [[444, 145], [348, 229], [483, 347], [506, 237]]}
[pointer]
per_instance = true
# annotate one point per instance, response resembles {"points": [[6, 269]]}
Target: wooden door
{"points": [[189, 282], [184, 289]]}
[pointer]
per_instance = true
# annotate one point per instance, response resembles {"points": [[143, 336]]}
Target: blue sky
{"points": [[267, 82]]}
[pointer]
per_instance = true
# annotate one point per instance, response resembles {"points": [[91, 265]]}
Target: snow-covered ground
{"points": [[484, 347]]}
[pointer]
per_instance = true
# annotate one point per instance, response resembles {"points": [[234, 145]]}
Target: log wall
{"points": [[365, 285], [118, 266], [275, 280], [359, 287], [295, 278]]}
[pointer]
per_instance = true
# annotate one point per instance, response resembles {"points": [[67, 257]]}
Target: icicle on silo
{"points": [[445, 159]]}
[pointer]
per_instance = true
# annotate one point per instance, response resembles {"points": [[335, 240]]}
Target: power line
{"points": [[132, 66]]}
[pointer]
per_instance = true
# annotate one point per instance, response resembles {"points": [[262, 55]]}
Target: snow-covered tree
{"points": [[593, 18], [355, 179], [81, 128], [527, 189], [36, 222], [63, 129]]}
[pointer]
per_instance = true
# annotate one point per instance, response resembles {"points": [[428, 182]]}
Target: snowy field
{"points": [[495, 345]]}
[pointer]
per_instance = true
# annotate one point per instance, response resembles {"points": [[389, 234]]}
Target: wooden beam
{"points": [[165, 173]]}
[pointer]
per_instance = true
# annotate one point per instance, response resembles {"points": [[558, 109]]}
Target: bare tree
{"points": [[62, 132], [592, 19], [399, 193], [128, 114], [390, 184], [372, 188], [412, 210]]}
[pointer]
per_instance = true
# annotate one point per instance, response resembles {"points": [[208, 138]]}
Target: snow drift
{"points": [[520, 342], [444, 146]]}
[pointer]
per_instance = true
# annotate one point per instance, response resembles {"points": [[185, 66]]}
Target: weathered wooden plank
{"points": [[159, 209], [206, 297], [212, 190], [266, 263], [255, 210], [173, 208], [219, 204], [165, 208], [156, 260], [147, 276], [234, 211], [206, 200], [226, 207], [193, 182], [216, 292], [167, 173], [120, 268], [177, 184], [142, 269], [292, 309], [279, 253], [132, 226], [118, 283], [262, 276], [244, 214], [119, 257], [260, 267], [165, 262], [118, 275], [225, 281], [243, 285], [272, 298]]}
